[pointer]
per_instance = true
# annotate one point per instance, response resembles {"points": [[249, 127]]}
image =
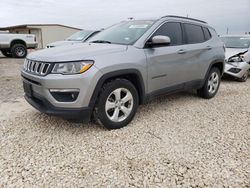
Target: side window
{"points": [[173, 31], [194, 33], [207, 33]]}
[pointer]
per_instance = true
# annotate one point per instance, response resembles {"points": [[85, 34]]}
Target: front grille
{"points": [[36, 67]]}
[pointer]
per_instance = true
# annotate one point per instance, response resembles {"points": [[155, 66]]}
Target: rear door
{"points": [[198, 49]]}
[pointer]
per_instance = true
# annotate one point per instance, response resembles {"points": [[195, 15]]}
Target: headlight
{"points": [[72, 67], [235, 59]]}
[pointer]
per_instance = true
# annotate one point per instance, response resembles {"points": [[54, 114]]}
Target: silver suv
{"points": [[124, 66]]}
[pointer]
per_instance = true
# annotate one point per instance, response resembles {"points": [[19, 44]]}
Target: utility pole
{"points": [[227, 30]]}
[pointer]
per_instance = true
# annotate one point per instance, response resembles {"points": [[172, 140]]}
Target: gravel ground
{"points": [[174, 141], [10, 79]]}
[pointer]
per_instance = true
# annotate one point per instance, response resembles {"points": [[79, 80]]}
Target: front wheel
{"points": [[211, 85], [117, 104]]}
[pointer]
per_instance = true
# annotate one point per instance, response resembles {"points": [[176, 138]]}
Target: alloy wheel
{"points": [[119, 105], [213, 83]]}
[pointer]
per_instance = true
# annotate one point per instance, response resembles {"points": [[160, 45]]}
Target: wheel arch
{"points": [[132, 75], [17, 41], [219, 63], [216, 63]]}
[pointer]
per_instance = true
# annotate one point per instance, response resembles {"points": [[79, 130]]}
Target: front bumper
{"points": [[44, 106], [43, 99], [237, 69]]}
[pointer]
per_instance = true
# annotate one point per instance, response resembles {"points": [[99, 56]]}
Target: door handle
{"points": [[208, 48], [182, 51]]}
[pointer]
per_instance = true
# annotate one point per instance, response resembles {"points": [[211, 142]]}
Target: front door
{"points": [[169, 66]]}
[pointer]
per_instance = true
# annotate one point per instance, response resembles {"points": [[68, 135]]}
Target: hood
{"points": [[75, 52], [63, 42], [234, 51]]}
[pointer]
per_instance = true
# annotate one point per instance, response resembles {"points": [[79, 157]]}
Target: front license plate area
{"points": [[27, 89]]}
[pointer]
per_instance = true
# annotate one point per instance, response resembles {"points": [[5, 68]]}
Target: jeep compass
{"points": [[124, 66]]}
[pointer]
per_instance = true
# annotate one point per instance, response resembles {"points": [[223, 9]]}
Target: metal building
{"points": [[45, 33]]}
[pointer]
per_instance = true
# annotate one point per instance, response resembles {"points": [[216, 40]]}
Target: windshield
{"points": [[236, 42], [79, 36], [123, 33]]}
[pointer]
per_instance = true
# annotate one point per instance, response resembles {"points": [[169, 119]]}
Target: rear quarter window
{"points": [[207, 33], [194, 33]]}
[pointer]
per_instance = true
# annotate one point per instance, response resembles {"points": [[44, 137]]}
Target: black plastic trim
{"points": [[124, 72], [195, 84], [44, 106], [211, 65], [29, 80]]}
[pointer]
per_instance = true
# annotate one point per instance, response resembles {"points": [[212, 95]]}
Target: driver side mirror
{"points": [[159, 40]]}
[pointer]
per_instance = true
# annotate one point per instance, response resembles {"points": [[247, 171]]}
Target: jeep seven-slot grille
{"points": [[38, 68]]}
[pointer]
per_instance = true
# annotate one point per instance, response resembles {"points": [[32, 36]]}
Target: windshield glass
{"points": [[123, 33], [79, 36], [236, 42]]}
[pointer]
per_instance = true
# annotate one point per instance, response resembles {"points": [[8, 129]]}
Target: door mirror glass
{"points": [[160, 40]]}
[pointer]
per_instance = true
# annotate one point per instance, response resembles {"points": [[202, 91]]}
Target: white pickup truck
{"points": [[16, 45]]}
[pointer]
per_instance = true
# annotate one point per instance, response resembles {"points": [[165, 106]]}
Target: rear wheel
{"points": [[6, 53], [117, 104], [244, 77], [212, 84], [19, 50]]}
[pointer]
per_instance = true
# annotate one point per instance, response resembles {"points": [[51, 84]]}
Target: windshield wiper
{"points": [[101, 41]]}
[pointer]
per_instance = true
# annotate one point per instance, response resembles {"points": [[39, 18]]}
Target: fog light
{"points": [[65, 95], [234, 70]]}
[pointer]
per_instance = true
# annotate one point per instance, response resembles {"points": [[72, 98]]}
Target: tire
{"points": [[110, 110], [211, 85], [244, 77], [6, 53], [19, 51]]}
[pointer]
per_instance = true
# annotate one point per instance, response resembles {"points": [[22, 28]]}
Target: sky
{"points": [[97, 14]]}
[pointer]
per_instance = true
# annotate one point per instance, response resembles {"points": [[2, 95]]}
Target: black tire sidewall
{"points": [[6, 53], [13, 50], [108, 88], [206, 93]]}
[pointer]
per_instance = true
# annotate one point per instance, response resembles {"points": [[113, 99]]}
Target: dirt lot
{"points": [[175, 141]]}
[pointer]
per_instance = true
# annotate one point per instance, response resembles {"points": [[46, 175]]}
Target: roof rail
{"points": [[172, 16]]}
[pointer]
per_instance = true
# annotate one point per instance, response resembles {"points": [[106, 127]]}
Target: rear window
{"points": [[194, 33]]}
